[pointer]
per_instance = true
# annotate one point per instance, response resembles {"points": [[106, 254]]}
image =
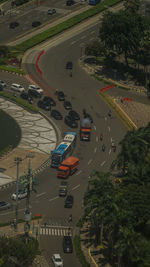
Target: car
{"points": [[13, 24], [26, 96], [17, 88], [67, 244], [36, 88], [51, 11], [34, 93], [57, 260], [56, 114], [87, 115], [70, 122], [21, 194], [1, 87], [4, 205], [70, 2], [69, 201], [67, 105], [74, 115], [69, 65], [49, 100], [44, 105], [2, 83], [61, 96], [36, 23]]}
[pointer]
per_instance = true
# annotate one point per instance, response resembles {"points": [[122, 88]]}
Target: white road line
{"points": [[41, 194], [96, 138], [105, 118], [94, 127], [53, 198], [95, 149], [111, 139], [89, 161], [72, 43], [75, 187], [103, 163], [78, 172], [82, 37], [109, 128], [109, 151]]}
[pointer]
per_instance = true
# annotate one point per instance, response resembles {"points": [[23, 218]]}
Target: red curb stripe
{"points": [[106, 88], [127, 99], [37, 62]]}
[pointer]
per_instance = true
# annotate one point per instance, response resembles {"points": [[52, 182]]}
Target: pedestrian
{"points": [[109, 114]]}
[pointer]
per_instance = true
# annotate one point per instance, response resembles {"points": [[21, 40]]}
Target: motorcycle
{"points": [[103, 148]]}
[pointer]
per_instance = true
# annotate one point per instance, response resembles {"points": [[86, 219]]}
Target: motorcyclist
{"points": [[101, 136], [103, 147], [109, 113], [70, 218]]}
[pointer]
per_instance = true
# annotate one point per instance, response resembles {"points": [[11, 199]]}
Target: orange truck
{"points": [[68, 167]]}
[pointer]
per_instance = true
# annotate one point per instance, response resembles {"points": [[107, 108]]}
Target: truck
{"points": [[94, 2], [85, 129], [63, 189], [68, 167]]}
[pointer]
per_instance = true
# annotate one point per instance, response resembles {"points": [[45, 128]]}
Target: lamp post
{"points": [[17, 161]]}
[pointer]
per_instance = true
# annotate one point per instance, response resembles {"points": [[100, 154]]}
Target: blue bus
{"points": [[63, 149], [94, 2]]}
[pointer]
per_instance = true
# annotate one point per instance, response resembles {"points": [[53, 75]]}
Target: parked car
{"points": [[56, 114], [51, 11], [67, 105], [4, 205], [21, 194], [70, 2], [74, 115], [27, 97], [57, 260], [36, 88], [69, 65], [49, 100], [69, 201], [2, 83], [61, 96], [44, 105], [1, 87], [70, 122], [67, 244], [17, 88], [36, 23], [13, 24], [34, 93]]}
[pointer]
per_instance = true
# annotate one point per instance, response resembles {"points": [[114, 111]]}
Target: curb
{"points": [[12, 72]]}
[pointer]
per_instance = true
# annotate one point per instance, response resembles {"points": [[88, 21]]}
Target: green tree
{"points": [[132, 5]]}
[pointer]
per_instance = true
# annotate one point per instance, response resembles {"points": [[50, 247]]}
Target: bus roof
{"points": [[70, 161], [61, 148], [69, 137]]}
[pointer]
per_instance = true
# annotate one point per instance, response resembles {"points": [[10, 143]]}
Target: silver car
{"points": [[21, 195]]}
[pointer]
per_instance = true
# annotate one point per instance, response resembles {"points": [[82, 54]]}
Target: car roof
{"points": [[57, 256]]}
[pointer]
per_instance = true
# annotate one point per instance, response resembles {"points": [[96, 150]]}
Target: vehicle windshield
{"points": [[86, 133], [63, 171], [57, 259], [56, 157]]}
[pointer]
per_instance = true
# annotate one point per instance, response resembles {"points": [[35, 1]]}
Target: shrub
{"points": [[79, 252]]}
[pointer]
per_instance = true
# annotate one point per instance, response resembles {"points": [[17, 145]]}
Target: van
{"points": [[17, 88]]}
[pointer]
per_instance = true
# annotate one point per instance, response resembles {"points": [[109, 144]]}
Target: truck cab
{"points": [[68, 167]]}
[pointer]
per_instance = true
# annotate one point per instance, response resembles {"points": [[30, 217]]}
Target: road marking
{"points": [[111, 139], [94, 127], [109, 128], [96, 138], [78, 172], [53, 198], [105, 118], [72, 43], [95, 149], [83, 37], [41, 194], [89, 161], [109, 151], [75, 187], [103, 163]]}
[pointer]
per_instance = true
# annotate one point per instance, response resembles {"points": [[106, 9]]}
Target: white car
{"points": [[36, 88], [17, 88], [21, 194], [57, 260]]}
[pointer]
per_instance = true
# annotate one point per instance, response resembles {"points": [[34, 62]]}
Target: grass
{"points": [[12, 69]]}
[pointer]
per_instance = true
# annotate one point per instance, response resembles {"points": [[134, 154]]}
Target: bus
{"points": [[64, 149]]}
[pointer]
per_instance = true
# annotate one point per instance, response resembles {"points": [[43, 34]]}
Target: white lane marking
{"points": [[94, 127], [103, 163], [89, 161], [95, 149], [78, 172], [96, 138], [75, 187], [109, 128], [109, 151], [105, 118], [53, 198], [73, 42], [82, 37], [111, 139], [41, 194]]}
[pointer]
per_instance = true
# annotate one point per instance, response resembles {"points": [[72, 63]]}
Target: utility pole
{"points": [[17, 161]]}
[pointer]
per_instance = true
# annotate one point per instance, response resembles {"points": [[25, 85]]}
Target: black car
{"points": [[74, 115], [70, 122], [61, 96], [69, 201], [36, 23], [49, 100], [4, 205], [69, 65], [67, 244], [67, 105], [70, 2], [44, 105], [13, 24], [34, 93], [56, 114], [27, 97]]}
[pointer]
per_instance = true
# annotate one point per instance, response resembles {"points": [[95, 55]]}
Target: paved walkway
{"points": [[38, 135]]}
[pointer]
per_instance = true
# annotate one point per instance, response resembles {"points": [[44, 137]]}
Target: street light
{"points": [[17, 161]]}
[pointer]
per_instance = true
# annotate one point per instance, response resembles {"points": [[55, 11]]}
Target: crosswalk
{"points": [[55, 231]]}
